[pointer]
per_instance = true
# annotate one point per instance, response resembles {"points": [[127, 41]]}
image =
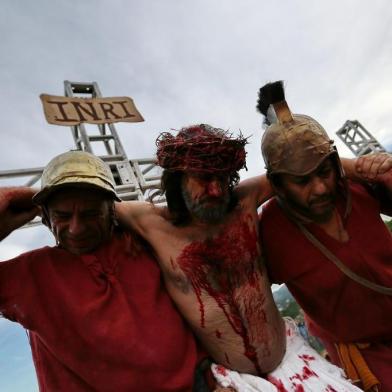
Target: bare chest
{"points": [[214, 262]]}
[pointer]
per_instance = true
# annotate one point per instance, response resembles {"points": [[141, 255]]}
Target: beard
{"points": [[208, 209]]}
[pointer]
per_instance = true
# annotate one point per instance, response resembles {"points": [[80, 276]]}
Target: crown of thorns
{"points": [[201, 149]]}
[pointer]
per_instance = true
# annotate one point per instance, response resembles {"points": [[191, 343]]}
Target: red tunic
{"points": [[101, 321], [338, 309]]}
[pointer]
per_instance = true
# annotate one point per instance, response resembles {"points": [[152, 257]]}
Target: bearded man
{"points": [[206, 241]]}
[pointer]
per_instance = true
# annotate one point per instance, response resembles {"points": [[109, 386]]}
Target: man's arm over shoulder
{"points": [[142, 217], [255, 189], [374, 169], [371, 168], [16, 208]]}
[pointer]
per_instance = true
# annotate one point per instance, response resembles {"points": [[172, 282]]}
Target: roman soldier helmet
{"points": [[292, 143]]}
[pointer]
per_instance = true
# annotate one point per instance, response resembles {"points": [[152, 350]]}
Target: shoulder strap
{"points": [[347, 271]]}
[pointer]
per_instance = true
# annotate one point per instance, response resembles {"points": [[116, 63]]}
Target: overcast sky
{"points": [[186, 62]]}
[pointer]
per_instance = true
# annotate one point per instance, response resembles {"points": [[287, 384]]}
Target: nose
{"points": [[214, 188], [319, 186], [76, 225]]}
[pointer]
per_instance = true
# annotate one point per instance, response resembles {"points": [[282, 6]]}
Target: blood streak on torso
{"points": [[221, 265]]}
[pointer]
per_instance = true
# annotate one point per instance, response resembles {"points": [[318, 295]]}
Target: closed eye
{"points": [[300, 180], [61, 215], [91, 214], [325, 171]]}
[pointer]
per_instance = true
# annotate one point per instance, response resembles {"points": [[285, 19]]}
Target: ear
{"points": [[45, 217], [112, 214], [276, 185]]}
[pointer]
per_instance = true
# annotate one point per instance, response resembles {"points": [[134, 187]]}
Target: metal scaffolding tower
{"points": [[135, 178], [131, 176], [358, 139]]}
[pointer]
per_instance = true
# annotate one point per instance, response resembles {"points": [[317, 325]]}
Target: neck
{"points": [[334, 227], [205, 224]]}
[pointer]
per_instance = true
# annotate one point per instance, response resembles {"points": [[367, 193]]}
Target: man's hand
{"points": [[371, 166], [376, 168], [16, 208]]}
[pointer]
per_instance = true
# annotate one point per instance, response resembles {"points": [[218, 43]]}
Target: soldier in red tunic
{"points": [[97, 314], [324, 237]]}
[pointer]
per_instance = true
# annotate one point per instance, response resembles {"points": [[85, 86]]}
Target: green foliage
{"points": [[291, 310], [389, 224], [288, 307], [316, 344]]}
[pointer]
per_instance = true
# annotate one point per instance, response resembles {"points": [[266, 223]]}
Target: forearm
{"points": [[257, 188], [373, 168], [350, 169], [266, 190], [135, 215], [11, 223], [124, 214], [16, 208]]}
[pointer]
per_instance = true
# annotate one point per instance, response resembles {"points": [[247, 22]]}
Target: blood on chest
{"points": [[225, 268]]}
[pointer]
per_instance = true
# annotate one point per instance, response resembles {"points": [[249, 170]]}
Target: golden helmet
{"points": [[294, 144], [75, 169]]}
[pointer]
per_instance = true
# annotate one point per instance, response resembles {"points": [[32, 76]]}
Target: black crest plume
{"points": [[268, 95]]}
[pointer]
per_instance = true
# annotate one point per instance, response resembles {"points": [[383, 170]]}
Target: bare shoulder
{"points": [[141, 216], [136, 208], [254, 191]]}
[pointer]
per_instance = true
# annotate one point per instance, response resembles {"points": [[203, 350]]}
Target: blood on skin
{"points": [[277, 383], [219, 266], [218, 334]]}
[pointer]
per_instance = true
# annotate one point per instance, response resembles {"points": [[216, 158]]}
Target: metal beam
{"points": [[358, 139]]}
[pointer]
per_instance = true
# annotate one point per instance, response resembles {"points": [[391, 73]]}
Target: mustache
{"points": [[321, 199], [77, 238], [210, 199]]}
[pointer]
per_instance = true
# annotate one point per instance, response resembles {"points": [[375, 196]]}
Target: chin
{"points": [[80, 251], [76, 252], [322, 217], [211, 215]]}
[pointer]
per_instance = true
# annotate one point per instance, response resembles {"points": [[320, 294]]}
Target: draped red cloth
{"points": [[337, 308], [99, 322]]}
